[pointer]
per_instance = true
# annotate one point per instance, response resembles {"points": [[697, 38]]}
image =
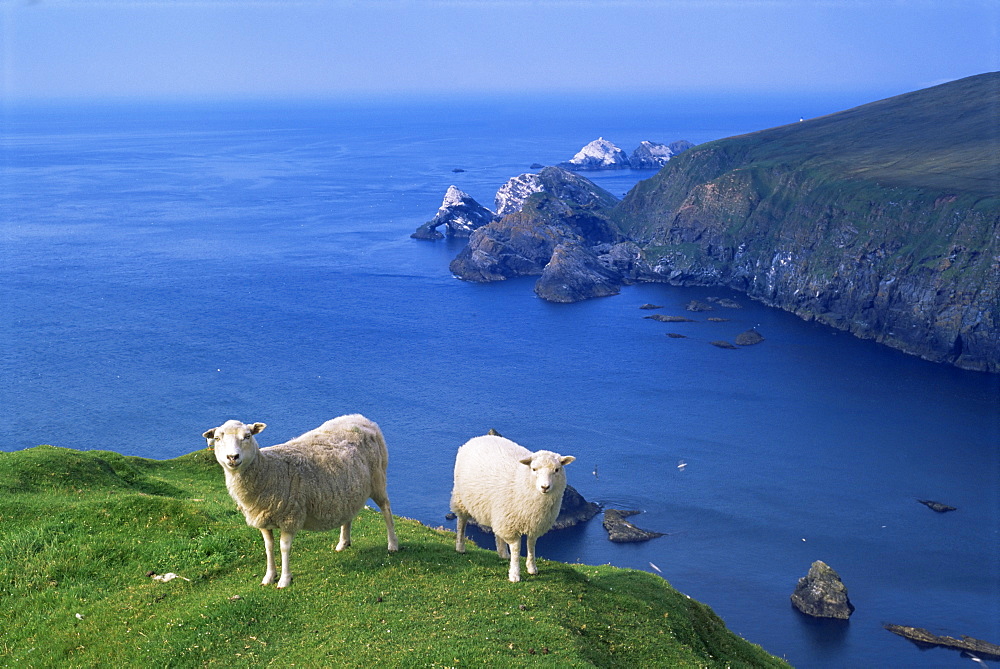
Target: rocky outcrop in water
{"points": [[602, 154], [821, 594], [653, 155], [749, 338], [574, 510], [622, 531], [598, 155], [545, 211], [459, 213], [937, 506], [924, 638]]}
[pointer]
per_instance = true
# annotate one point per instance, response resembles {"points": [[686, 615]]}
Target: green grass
{"points": [[79, 531], [939, 141]]}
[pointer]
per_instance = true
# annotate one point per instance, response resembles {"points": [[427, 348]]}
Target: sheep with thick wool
{"points": [[506, 487], [317, 481]]}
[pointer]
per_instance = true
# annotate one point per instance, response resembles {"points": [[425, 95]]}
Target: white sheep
{"points": [[503, 485], [316, 481]]}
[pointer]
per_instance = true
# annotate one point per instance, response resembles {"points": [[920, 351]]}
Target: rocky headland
{"points": [[882, 220], [622, 531]]}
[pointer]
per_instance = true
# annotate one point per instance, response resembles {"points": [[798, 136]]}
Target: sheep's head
{"points": [[547, 469], [234, 443]]}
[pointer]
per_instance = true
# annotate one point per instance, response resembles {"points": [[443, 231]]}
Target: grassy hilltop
{"points": [[81, 530]]}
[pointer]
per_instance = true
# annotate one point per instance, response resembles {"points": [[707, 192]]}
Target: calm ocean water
{"points": [[165, 268]]}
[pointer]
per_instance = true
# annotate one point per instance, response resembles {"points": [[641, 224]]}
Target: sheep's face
{"points": [[234, 444], [547, 470]]}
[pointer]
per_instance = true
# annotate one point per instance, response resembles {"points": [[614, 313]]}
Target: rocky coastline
{"points": [[908, 256]]}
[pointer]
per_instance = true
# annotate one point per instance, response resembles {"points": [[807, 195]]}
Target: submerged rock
{"points": [[663, 318], [821, 594], [622, 531], [721, 343], [923, 637], [749, 338], [695, 305], [725, 302], [937, 506]]}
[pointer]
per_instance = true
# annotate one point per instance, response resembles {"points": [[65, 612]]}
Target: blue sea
{"points": [[166, 267]]}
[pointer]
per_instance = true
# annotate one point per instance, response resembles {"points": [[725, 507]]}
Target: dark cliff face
{"points": [[882, 220]]}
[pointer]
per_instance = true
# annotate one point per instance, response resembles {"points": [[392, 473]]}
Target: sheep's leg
{"points": [[269, 550], [532, 568], [390, 527], [286, 549], [514, 573], [460, 532], [502, 549], [345, 536]]}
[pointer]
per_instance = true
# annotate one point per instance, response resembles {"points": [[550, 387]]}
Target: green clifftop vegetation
{"points": [[81, 531], [883, 220]]}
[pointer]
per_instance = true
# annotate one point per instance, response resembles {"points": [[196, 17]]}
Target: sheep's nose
{"points": [[234, 458], [545, 487]]}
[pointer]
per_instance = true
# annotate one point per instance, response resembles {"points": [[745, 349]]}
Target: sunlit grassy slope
{"points": [[80, 531], [943, 139]]}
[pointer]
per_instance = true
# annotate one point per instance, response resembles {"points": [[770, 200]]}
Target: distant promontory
{"points": [[882, 220]]}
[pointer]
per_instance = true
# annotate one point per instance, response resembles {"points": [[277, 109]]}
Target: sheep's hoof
{"points": [[514, 578], [341, 547]]}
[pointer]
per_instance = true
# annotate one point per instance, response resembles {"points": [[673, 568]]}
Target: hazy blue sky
{"points": [[340, 47]]}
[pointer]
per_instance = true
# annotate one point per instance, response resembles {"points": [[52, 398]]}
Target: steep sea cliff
{"points": [[883, 220]]}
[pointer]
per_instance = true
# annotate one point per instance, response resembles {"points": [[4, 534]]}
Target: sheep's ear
{"points": [[257, 428], [210, 435], [526, 461], [566, 459]]}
